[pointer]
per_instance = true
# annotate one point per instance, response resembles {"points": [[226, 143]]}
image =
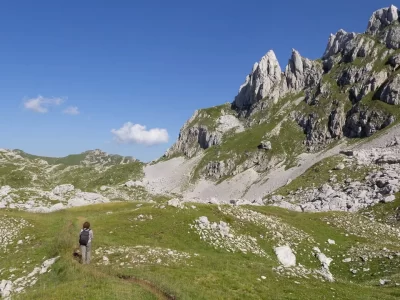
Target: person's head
{"points": [[86, 225]]}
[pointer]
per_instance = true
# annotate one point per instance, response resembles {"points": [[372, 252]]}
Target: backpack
{"points": [[84, 237]]}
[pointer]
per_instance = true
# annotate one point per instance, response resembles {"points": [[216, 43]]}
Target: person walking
{"points": [[85, 242]]}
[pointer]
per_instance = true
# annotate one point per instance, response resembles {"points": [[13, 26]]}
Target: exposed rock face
{"points": [[364, 122], [336, 123], [301, 73], [337, 42], [260, 83], [370, 84], [192, 139], [391, 90], [354, 75], [315, 129], [394, 61], [382, 18], [391, 37]]}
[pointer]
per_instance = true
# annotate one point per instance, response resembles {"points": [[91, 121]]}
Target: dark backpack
{"points": [[84, 237]]}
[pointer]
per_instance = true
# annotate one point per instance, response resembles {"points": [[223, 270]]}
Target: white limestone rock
{"points": [[382, 18], [175, 203], [285, 256], [337, 43], [84, 198], [63, 189], [229, 122], [6, 287], [391, 90], [300, 73], [5, 190], [134, 183], [325, 263], [265, 145], [261, 82]]}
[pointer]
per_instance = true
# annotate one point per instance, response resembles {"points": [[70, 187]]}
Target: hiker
{"points": [[85, 242]]}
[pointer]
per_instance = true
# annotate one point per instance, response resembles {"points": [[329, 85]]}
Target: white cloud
{"points": [[41, 104], [137, 134], [72, 110]]}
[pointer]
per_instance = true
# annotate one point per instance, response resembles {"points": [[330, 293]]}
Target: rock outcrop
{"points": [[381, 19], [285, 256], [300, 73], [364, 122], [263, 81], [337, 43], [390, 91]]}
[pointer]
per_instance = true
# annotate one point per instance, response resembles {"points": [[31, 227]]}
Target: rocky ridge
{"points": [[340, 93]]}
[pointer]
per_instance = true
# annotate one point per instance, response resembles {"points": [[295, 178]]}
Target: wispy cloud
{"points": [[72, 110], [137, 134], [41, 104]]}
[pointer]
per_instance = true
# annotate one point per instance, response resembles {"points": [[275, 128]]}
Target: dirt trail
{"points": [[149, 287]]}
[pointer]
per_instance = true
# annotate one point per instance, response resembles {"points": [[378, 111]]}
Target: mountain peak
{"points": [[382, 18]]}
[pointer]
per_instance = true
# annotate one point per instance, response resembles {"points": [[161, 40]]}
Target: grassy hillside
{"points": [[188, 267], [87, 171]]}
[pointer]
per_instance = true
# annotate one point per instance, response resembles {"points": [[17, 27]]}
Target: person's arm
{"points": [[91, 234]]}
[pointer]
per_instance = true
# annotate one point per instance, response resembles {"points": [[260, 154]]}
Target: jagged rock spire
{"points": [[261, 82], [337, 42], [300, 73], [382, 18]]}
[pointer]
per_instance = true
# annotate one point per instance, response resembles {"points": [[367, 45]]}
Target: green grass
{"points": [[214, 274], [240, 146], [29, 173], [208, 116]]}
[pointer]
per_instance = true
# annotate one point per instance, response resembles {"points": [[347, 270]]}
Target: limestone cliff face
{"points": [[263, 81], [195, 136], [267, 81]]}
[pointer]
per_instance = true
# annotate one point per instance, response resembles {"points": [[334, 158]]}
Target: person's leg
{"points": [[83, 252], [88, 253]]}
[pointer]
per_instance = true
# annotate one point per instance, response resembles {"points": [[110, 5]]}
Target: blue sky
{"points": [[151, 63]]}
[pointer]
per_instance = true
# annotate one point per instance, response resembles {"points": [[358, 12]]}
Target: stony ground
{"points": [[202, 251]]}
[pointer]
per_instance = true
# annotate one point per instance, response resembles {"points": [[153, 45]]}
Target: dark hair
{"points": [[86, 225]]}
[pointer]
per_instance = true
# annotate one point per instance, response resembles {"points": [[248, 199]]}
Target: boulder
{"points": [[265, 145], [390, 198], [175, 203], [4, 190], [285, 256], [6, 287], [340, 166]]}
